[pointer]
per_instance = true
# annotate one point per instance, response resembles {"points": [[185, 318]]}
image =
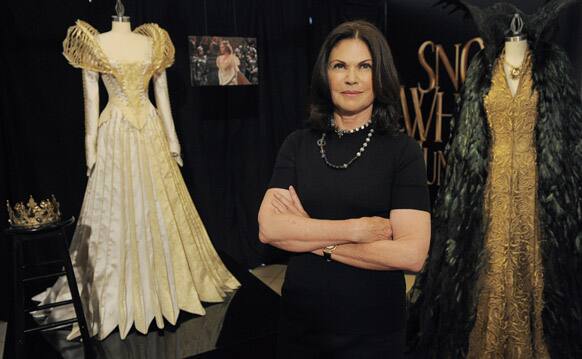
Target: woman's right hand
{"points": [[372, 229], [288, 202]]}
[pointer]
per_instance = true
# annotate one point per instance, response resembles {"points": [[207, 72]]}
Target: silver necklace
{"points": [[340, 132], [321, 143]]}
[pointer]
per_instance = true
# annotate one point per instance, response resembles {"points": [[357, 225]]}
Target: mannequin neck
{"points": [[515, 51], [121, 26]]}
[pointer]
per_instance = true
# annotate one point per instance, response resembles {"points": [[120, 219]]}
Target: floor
{"points": [[273, 275], [228, 330], [243, 326]]}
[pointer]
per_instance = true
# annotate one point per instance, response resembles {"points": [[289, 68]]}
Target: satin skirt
{"points": [[140, 250]]}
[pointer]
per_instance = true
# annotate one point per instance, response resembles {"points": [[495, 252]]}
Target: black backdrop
{"points": [[229, 136]]}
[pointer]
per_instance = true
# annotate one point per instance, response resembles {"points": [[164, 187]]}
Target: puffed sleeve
{"points": [[168, 51], [409, 189], [81, 49], [164, 51]]}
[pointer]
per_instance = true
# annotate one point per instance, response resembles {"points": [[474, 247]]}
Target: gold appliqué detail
{"points": [[508, 320], [82, 50]]}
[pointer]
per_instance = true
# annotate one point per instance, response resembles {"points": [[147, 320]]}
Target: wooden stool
{"points": [[18, 236]]}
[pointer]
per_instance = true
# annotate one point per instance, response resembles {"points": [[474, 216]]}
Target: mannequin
{"points": [[140, 249], [122, 45], [515, 52], [501, 280]]}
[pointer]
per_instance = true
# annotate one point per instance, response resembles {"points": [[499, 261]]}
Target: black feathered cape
{"points": [[444, 298]]}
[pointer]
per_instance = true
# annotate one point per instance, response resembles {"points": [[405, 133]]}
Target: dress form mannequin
{"points": [[140, 249], [515, 51], [528, 137], [122, 45]]}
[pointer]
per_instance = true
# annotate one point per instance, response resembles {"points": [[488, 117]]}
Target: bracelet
{"points": [[327, 251]]}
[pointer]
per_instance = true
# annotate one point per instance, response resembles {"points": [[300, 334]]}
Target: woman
{"points": [[349, 196], [228, 66]]}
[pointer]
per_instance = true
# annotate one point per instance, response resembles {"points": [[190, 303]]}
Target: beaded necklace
{"points": [[321, 143]]}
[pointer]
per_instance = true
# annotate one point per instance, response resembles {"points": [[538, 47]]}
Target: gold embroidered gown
{"points": [[508, 319], [140, 250]]}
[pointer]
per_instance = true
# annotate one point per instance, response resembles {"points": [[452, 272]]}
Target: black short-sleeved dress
{"points": [[330, 309]]}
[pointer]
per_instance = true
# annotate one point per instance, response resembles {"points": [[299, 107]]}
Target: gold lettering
{"points": [[435, 160], [436, 111], [418, 117], [432, 77], [438, 164], [405, 111], [438, 132], [442, 56]]}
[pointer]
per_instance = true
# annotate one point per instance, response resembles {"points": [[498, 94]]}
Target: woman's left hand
{"points": [[289, 204]]}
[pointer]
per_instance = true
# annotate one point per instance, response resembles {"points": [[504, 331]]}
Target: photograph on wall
{"points": [[223, 61]]}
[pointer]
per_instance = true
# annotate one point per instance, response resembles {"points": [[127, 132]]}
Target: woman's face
{"points": [[222, 47], [349, 74]]}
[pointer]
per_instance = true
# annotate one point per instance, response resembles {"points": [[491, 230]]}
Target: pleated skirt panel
{"points": [[140, 250]]}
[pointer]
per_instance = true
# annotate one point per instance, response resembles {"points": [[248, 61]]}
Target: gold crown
{"points": [[34, 215]]}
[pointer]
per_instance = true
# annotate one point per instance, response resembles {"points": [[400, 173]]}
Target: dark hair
{"points": [[387, 112]]}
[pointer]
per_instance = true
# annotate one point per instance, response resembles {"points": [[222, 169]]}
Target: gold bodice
{"points": [[508, 319], [128, 91], [126, 82]]}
